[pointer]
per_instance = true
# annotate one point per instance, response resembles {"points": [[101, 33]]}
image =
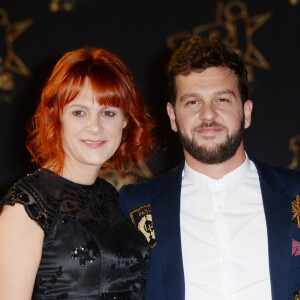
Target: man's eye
{"points": [[192, 102], [109, 113], [223, 100], [78, 113]]}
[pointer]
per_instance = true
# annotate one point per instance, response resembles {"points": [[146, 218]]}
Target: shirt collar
{"points": [[230, 178]]}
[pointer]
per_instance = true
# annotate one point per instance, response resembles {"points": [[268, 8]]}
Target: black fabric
{"points": [[90, 251]]}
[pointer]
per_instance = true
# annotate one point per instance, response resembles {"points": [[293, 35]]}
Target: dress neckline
{"points": [[58, 178]]}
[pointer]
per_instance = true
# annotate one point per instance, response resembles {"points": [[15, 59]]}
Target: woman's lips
{"points": [[94, 143]]}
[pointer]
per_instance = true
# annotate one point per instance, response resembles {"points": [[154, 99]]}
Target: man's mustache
{"points": [[209, 124]]}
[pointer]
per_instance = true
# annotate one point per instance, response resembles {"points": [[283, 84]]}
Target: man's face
{"points": [[208, 115]]}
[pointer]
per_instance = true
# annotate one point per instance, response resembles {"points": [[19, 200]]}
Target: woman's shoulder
{"points": [[31, 192]]}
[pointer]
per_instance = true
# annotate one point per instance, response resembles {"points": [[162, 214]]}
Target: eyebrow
{"points": [[187, 96], [78, 105], [196, 95], [227, 91]]}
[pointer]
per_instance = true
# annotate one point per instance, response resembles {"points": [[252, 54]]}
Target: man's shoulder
{"points": [[139, 194], [154, 185], [271, 174]]}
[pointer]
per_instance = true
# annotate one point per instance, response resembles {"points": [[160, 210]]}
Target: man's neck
{"points": [[217, 171]]}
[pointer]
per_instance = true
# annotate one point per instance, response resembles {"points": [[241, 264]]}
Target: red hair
{"points": [[112, 84]]}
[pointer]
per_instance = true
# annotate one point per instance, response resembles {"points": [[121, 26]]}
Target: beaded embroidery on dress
{"points": [[90, 251]]}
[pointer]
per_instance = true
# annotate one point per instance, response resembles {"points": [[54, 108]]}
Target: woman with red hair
{"points": [[62, 233]]}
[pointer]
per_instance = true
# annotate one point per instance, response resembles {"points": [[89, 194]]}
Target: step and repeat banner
{"points": [[34, 34]]}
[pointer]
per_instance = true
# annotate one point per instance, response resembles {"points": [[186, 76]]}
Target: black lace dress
{"points": [[90, 251]]}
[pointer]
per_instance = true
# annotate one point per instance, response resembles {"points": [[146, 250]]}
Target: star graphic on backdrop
{"points": [[12, 62], [229, 18], [296, 210]]}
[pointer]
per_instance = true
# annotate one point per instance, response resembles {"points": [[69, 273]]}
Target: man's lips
{"points": [[209, 130], [94, 143]]}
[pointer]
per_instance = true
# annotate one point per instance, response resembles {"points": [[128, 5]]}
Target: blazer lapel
{"points": [[166, 221], [277, 206]]}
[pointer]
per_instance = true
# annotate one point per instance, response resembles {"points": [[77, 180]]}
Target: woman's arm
{"points": [[21, 243]]}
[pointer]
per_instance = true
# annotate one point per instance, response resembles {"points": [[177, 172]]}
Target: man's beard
{"points": [[217, 154]]}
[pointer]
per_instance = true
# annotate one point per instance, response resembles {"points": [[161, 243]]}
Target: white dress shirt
{"points": [[224, 236]]}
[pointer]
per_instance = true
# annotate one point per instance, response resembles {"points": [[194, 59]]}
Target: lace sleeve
{"points": [[38, 208]]}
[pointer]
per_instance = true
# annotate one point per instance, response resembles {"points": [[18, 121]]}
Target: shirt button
{"points": [[219, 206]]}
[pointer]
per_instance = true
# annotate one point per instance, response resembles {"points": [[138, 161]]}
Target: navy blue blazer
{"points": [[166, 278]]}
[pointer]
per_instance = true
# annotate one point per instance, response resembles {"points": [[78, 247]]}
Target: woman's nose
{"points": [[94, 124]]}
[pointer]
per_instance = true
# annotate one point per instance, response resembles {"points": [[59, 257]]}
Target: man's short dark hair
{"points": [[198, 54]]}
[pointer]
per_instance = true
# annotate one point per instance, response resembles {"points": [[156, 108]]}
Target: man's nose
{"points": [[207, 112]]}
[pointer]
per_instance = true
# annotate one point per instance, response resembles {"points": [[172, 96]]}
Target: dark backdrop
{"points": [[34, 34]]}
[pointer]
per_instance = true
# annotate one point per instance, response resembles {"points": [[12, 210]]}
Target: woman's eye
{"points": [[78, 113], [109, 113]]}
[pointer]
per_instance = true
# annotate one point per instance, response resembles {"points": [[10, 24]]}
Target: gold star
{"points": [[12, 62], [229, 18], [296, 210], [252, 55]]}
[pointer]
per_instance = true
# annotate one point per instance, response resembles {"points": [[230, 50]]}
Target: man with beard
{"points": [[224, 225]]}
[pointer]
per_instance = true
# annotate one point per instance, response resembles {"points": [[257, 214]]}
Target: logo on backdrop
{"points": [[231, 19], [294, 147], [10, 62], [64, 5], [117, 179]]}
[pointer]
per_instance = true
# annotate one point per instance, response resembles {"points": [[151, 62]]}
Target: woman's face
{"points": [[91, 133]]}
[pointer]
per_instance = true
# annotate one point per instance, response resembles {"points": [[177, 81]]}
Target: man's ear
{"points": [[248, 105], [172, 116]]}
